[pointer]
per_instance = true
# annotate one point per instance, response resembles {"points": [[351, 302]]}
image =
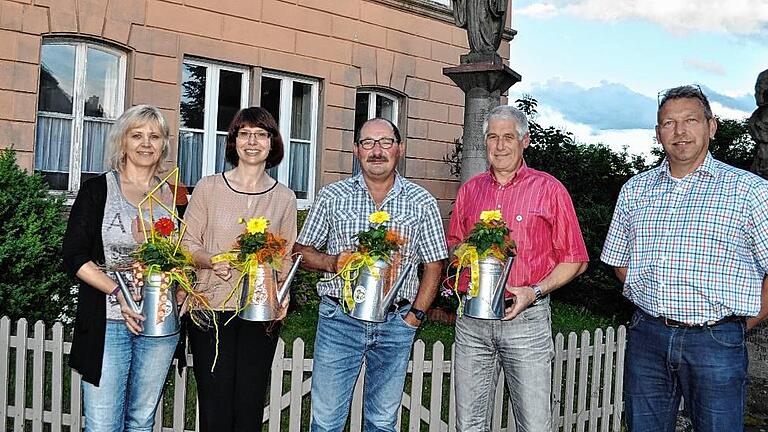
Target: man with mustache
{"points": [[689, 239], [342, 342]]}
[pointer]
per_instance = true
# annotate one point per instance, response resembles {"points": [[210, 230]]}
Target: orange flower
{"points": [[393, 237]]}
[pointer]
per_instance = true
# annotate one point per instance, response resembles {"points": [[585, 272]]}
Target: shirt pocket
{"points": [[409, 227], [346, 224], [529, 227]]}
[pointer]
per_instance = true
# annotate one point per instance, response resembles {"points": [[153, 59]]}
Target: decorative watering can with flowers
{"points": [[158, 302], [264, 301], [488, 253], [369, 289], [258, 255]]}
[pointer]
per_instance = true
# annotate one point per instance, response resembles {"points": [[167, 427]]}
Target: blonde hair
{"points": [[132, 118]]}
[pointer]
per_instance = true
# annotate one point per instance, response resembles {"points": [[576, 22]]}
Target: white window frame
{"points": [[78, 116], [211, 109], [284, 169]]}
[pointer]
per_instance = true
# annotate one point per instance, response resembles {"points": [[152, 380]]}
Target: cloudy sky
{"points": [[596, 66]]}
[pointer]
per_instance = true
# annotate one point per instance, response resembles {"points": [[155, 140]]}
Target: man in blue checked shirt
{"points": [[343, 343], [689, 239]]}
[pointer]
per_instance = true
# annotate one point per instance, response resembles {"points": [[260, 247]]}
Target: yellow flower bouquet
{"points": [[376, 243], [488, 238], [255, 246]]}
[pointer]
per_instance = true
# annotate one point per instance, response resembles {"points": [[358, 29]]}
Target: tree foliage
{"points": [[32, 224]]}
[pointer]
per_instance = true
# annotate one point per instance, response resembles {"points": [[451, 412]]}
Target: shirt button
{"points": [[662, 259], [498, 206]]}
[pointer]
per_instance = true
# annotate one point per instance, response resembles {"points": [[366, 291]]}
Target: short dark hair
{"points": [[395, 130], [260, 118], [685, 92]]}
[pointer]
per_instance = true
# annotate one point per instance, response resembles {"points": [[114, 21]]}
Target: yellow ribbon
{"points": [[349, 273]]}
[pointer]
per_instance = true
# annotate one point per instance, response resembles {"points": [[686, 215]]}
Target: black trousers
{"points": [[231, 398]]}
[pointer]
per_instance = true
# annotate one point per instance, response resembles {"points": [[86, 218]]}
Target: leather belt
{"points": [[669, 322], [394, 308]]}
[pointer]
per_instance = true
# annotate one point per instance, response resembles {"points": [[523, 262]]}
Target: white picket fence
{"points": [[41, 390]]}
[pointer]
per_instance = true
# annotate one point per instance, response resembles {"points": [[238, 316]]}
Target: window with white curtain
{"points": [[371, 103], [211, 95], [293, 101], [81, 91]]}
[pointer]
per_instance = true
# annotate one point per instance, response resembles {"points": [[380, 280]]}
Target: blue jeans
{"points": [[133, 372], [342, 344], [523, 348], [707, 366]]}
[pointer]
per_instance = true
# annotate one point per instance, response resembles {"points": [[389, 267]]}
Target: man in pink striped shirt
{"points": [[550, 253]]}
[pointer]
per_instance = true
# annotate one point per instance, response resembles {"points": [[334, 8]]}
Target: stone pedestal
{"points": [[757, 396], [483, 78]]}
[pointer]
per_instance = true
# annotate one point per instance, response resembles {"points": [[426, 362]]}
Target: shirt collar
{"points": [[397, 186], [521, 173], [708, 167]]}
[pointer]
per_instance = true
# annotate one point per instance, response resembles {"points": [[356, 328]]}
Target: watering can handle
{"points": [[127, 293]]}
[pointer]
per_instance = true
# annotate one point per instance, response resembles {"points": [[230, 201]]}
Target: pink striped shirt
{"points": [[540, 216]]}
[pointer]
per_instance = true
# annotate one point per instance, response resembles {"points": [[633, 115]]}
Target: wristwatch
{"points": [[418, 313], [536, 291]]}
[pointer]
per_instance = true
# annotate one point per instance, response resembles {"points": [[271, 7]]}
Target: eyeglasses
{"points": [[369, 143], [690, 90], [259, 136]]}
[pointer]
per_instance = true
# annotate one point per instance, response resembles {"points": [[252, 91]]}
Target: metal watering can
{"points": [[372, 303], [266, 303], [489, 303], [158, 305]]}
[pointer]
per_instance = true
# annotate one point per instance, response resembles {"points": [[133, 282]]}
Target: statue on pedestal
{"points": [[484, 21], [758, 125]]}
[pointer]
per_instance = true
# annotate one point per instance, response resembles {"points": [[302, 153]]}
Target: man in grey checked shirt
{"points": [[689, 239], [342, 343]]}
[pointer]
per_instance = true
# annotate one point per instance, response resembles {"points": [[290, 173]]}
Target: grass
{"points": [[566, 318]]}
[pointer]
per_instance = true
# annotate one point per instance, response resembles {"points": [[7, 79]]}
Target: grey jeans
{"points": [[523, 348]]}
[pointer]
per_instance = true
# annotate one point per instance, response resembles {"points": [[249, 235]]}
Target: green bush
{"points": [[32, 224], [303, 287]]}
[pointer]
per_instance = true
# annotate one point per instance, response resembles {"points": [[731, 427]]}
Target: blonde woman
{"points": [[123, 373]]}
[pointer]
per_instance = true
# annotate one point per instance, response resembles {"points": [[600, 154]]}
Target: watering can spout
{"points": [[283, 291], [390, 297], [502, 282], [127, 292]]}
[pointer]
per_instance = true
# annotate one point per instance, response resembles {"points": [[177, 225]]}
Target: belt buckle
{"points": [[678, 324]]}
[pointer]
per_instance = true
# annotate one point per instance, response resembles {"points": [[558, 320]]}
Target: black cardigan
{"points": [[83, 243]]}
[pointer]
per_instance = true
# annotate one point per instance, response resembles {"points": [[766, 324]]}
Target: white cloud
{"points": [[711, 67], [723, 111], [677, 16], [536, 10], [637, 141]]}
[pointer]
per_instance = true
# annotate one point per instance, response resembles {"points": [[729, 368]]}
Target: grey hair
{"points": [[507, 112], [131, 118], [686, 92]]}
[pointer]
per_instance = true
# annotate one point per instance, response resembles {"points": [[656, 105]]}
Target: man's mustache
{"points": [[377, 159]]}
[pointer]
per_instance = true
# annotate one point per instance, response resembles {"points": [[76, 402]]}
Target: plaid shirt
{"points": [[696, 248], [341, 210]]}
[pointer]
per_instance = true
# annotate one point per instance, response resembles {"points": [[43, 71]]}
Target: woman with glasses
{"points": [[232, 364]]}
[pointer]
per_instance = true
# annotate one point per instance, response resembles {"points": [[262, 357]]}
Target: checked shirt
{"points": [[341, 210], [696, 248]]}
